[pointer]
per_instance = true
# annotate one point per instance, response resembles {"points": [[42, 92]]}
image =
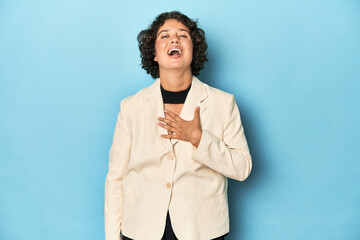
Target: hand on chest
{"points": [[175, 108]]}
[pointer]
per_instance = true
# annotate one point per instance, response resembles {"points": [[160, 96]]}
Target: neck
{"points": [[175, 81]]}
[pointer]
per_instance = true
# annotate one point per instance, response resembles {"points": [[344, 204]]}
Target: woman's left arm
{"points": [[229, 156]]}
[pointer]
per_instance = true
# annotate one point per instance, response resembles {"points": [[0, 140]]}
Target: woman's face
{"points": [[173, 46]]}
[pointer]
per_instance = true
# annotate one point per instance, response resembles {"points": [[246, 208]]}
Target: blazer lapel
{"points": [[196, 96], [154, 107]]}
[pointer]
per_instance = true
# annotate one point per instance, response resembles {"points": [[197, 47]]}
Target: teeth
{"points": [[173, 50]]}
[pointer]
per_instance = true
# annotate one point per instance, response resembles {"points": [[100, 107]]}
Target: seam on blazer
{"points": [[122, 112], [226, 118]]}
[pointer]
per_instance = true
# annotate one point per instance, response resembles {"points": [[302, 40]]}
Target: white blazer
{"points": [[149, 175]]}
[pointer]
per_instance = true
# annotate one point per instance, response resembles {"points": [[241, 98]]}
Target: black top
{"points": [[174, 97]]}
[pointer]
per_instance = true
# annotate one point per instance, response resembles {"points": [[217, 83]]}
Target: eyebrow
{"points": [[167, 30]]}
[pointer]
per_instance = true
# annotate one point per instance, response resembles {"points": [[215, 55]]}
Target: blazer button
{"points": [[168, 185], [170, 157]]}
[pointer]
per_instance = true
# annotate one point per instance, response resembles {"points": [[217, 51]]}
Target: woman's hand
{"points": [[189, 131]]}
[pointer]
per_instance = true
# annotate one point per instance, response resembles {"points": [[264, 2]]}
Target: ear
{"points": [[155, 57]]}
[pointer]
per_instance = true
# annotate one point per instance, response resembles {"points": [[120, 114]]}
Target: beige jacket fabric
{"points": [[149, 175]]}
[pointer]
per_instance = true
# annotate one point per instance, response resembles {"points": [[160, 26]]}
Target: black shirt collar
{"points": [[174, 97]]}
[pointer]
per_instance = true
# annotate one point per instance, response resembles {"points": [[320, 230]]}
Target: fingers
{"points": [[173, 115], [197, 112], [167, 116], [168, 127], [167, 121], [174, 136]]}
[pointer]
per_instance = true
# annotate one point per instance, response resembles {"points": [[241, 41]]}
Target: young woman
{"points": [[175, 144]]}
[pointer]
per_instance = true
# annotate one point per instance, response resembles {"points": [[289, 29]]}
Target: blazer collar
{"points": [[155, 106]]}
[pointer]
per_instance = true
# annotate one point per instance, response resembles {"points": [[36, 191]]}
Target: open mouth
{"points": [[174, 52]]}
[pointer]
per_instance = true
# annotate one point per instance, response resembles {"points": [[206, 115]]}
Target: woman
{"points": [[175, 143]]}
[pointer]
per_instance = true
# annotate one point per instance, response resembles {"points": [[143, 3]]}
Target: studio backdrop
{"points": [[294, 67]]}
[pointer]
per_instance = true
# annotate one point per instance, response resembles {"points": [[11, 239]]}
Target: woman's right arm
{"points": [[118, 160]]}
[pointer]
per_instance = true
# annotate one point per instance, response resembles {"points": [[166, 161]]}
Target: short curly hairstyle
{"points": [[147, 38]]}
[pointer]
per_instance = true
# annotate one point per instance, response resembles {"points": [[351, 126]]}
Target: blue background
{"points": [[294, 67]]}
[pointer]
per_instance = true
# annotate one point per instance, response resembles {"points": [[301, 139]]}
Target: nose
{"points": [[175, 40]]}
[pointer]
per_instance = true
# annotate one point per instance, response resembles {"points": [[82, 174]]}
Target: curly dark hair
{"points": [[147, 38]]}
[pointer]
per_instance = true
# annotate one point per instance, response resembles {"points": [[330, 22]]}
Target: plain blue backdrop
{"points": [[293, 66]]}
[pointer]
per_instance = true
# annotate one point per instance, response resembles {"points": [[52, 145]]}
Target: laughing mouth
{"points": [[174, 51]]}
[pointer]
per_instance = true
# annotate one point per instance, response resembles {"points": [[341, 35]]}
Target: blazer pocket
{"points": [[130, 215], [212, 212]]}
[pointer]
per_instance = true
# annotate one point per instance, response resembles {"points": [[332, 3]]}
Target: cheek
{"points": [[159, 46], [190, 46], [156, 48]]}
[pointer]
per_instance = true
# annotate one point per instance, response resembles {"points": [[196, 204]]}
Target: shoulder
{"points": [[133, 101], [217, 95], [218, 101], [132, 98]]}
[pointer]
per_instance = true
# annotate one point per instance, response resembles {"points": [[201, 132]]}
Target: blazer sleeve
{"points": [[230, 155], [118, 160]]}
